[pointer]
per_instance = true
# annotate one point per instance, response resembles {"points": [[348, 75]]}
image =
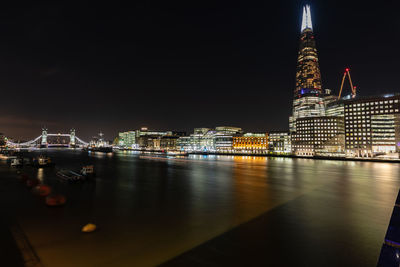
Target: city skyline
{"points": [[195, 77]]}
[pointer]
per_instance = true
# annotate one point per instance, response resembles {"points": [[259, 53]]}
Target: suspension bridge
{"points": [[52, 140]]}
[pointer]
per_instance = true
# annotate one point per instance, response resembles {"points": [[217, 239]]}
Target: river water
{"points": [[150, 209]]}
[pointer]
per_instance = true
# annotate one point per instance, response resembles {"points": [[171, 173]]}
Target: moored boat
{"points": [[17, 162], [104, 149], [87, 171], [70, 176], [42, 161], [176, 153]]}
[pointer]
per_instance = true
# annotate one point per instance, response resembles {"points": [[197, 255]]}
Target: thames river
{"points": [[206, 211]]}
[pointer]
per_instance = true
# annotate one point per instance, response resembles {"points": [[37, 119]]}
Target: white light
{"points": [[306, 22]]}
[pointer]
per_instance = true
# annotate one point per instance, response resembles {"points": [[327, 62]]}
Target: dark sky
{"points": [[181, 65]]}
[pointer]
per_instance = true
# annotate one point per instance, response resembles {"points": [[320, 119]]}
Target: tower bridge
{"points": [[52, 140]]}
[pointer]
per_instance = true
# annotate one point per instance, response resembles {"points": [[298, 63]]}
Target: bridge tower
{"points": [[72, 137], [44, 137]]}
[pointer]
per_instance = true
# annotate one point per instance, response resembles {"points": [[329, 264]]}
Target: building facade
{"points": [[372, 126], [335, 108], [219, 139], [308, 95], [279, 143], [127, 139], [322, 136], [251, 143], [149, 139]]}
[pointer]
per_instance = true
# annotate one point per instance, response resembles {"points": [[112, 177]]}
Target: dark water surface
{"points": [[151, 209]]}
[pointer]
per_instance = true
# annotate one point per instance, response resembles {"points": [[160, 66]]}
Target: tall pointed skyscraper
{"points": [[308, 98]]}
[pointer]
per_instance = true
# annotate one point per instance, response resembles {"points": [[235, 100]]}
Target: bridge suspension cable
{"points": [[80, 140], [25, 143]]}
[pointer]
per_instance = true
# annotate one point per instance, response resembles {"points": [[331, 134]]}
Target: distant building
{"points": [[149, 139], [127, 139], [208, 140], [98, 141], [168, 142], [372, 126], [319, 136], [279, 142], [251, 143], [223, 138]]}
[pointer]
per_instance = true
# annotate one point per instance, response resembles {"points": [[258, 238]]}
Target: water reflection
{"points": [[40, 174], [156, 207]]}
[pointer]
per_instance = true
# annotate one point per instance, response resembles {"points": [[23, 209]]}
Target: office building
{"points": [[251, 143], [322, 136], [279, 142], [208, 140], [372, 126]]}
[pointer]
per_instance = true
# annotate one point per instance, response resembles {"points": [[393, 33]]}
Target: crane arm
{"points": [[341, 86]]}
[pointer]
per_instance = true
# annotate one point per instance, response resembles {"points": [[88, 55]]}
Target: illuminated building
{"points": [[152, 140], [372, 126], [98, 141], [127, 139], [251, 143], [223, 138], [308, 95], [329, 97], [279, 143], [157, 140], [319, 136], [335, 108], [207, 140]]}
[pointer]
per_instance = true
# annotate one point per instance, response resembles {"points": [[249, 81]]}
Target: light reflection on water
{"points": [[173, 204], [40, 174]]}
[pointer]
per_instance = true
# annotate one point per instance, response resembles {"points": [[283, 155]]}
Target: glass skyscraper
{"points": [[308, 94]]}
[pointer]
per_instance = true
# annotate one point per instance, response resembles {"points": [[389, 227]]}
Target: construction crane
{"points": [[353, 88]]}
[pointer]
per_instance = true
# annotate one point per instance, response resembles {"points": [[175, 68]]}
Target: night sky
{"points": [[177, 66]]}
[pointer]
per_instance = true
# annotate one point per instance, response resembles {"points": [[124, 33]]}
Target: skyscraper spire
{"points": [[308, 101], [306, 22]]}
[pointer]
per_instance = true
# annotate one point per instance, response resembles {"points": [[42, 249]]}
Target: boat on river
{"points": [[17, 162], [70, 176], [42, 161], [176, 153], [104, 149], [87, 171]]}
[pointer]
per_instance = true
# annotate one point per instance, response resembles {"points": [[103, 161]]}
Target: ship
{"points": [[98, 144], [105, 149]]}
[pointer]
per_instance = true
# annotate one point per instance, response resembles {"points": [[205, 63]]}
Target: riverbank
{"points": [[384, 160]]}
